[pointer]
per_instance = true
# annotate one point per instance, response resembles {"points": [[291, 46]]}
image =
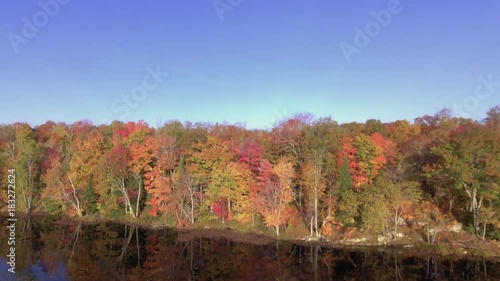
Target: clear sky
{"points": [[249, 61]]}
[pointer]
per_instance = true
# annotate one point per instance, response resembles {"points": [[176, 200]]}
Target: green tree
{"points": [[27, 161], [213, 164], [374, 210], [401, 198], [318, 173], [348, 200], [90, 198], [468, 162]]}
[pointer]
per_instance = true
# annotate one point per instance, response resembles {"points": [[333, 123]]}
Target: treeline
{"points": [[310, 173]]}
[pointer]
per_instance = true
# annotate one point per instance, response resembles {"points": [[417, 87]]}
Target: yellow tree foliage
{"points": [[278, 196]]}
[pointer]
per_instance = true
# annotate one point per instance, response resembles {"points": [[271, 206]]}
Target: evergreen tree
{"points": [[90, 198]]}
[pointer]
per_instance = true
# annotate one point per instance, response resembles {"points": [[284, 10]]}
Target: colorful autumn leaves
{"points": [[305, 173], [224, 173], [366, 156], [239, 183]]}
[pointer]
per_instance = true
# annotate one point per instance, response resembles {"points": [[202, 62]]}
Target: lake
{"points": [[49, 250]]}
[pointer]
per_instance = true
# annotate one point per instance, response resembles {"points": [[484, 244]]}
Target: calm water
{"points": [[47, 250]]}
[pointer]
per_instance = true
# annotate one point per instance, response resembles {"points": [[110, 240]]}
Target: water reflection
{"points": [[48, 250]]}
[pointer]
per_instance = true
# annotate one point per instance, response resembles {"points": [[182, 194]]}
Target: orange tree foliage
{"points": [[158, 177], [142, 147], [366, 156], [275, 195]]}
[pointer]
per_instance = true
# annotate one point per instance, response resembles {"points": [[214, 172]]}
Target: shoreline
{"points": [[477, 250]]}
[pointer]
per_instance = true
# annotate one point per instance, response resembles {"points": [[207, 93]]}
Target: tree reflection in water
{"points": [[58, 251]]}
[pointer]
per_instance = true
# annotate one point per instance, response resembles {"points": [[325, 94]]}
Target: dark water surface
{"points": [[47, 250]]}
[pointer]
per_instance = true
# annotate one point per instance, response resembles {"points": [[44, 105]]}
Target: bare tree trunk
{"points": [[316, 209], [311, 227], [300, 201], [192, 205], [128, 204], [76, 204], [474, 205], [138, 197], [396, 218], [279, 212], [28, 194]]}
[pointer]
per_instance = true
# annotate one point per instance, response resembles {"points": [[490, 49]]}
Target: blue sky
{"points": [[255, 62]]}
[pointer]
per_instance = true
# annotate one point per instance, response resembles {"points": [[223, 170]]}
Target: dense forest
{"points": [[304, 174]]}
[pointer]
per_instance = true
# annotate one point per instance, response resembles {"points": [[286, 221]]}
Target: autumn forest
{"points": [[306, 176]]}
